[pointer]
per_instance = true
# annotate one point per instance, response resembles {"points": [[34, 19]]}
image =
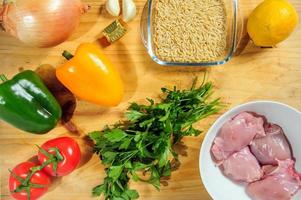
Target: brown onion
{"points": [[41, 23]]}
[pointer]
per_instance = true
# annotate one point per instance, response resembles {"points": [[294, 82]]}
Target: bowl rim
{"points": [[200, 64], [221, 118]]}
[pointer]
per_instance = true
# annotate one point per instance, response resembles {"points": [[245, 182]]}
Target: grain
{"points": [[189, 30]]}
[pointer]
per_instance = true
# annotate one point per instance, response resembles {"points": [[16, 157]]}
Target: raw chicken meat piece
{"points": [[242, 166], [271, 147], [237, 134], [280, 184], [267, 169]]}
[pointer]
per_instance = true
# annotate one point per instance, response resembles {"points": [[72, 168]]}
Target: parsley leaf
{"points": [[115, 172], [132, 194], [145, 141], [115, 135]]}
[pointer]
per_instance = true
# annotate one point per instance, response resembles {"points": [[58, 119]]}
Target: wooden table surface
{"points": [[271, 74]]}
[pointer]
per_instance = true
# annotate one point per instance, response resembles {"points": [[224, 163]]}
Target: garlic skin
{"points": [[113, 7], [129, 10]]}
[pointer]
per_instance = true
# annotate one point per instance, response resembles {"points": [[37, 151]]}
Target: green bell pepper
{"points": [[26, 103]]}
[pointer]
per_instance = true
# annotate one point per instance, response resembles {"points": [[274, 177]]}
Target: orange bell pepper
{"points": [[91, 76]]}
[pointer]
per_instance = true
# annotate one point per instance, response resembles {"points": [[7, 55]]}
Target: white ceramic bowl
{"points": [[220, 187]]}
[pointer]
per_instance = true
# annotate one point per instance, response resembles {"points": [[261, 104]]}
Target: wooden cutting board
{"points": [[271, 74]]}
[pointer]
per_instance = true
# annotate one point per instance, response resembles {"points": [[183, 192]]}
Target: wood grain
{"points": [[273, 74]]}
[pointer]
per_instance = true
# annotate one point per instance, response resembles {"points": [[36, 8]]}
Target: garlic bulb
{"points": [[113, 7], [129, 10]]}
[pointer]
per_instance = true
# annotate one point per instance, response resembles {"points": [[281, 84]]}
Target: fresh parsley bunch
{"points": [[144, 142]]}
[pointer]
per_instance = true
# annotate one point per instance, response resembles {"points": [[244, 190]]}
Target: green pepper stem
{"points": [[67, 55], [3, 78]]}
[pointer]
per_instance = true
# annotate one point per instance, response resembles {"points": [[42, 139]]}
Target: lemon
{"points": [[271, 22]]}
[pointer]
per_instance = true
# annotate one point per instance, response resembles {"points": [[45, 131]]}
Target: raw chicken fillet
{"points": [[271, 147], [251, 150], [281, 184], [242, 166], [236, 134]]}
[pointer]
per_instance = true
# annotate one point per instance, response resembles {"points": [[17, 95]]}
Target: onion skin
{"points": [[42, 23]]}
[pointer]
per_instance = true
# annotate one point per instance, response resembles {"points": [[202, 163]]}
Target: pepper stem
{"points": [[67, 55], [3, 78]]}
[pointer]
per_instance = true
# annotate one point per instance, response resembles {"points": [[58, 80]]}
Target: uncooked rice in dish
{"points": [[189, 30]]}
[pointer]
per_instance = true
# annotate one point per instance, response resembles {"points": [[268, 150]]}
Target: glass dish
{"points": [[146, 26]]}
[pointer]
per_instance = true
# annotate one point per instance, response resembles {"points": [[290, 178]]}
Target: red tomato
{"points": [[39, 177], [70, 152]]}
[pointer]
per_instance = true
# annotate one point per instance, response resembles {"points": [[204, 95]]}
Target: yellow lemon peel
{"points": [[271, 22]]}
